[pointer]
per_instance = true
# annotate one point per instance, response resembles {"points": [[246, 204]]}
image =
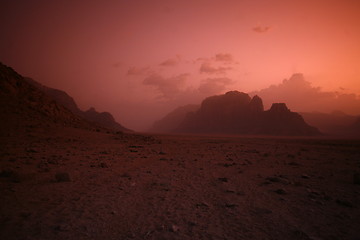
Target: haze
{"points": [[141, 59]]}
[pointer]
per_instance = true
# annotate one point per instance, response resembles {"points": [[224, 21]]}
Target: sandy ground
{"points": [[65, 183]]}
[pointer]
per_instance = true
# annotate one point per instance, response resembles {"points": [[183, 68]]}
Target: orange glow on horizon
{"points": [[141, 59]]}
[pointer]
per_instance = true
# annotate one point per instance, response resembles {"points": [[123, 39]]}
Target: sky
{"points": [[139, 59]]}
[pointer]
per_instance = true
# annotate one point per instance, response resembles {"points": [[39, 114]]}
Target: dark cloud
{"points": [[138, 71], [224, 57], [206, 67], [261, 29], [167, 87], [171, 62], [211, 86]]}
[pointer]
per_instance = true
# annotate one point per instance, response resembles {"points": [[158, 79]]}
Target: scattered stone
{"points": [[357, 178], [25, 215], [103, 165], [223, 179], [62, 177], [293, 164], [345, 203], [12, 175], [125, 175], [280, 191], [230, 191], [230, 205], [240, 193], [229, 164], [202, 204], [261, 211], [135, 146], [174, 228], [273, 179]]}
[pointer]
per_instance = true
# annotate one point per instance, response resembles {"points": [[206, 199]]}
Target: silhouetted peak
{"points": [[91, 110], [279, 108], [240, 96], [226, 103], [256, 104], [338, 113]]}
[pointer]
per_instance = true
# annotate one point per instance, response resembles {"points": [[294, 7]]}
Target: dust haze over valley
{"points": [[141, 60], [170, 119]]}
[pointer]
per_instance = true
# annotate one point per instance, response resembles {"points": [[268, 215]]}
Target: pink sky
{"points": [[140, 59]]}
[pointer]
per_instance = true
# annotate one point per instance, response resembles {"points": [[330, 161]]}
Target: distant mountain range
{"points": [[335, 123], [28, 97], [236, 113], [173, 119]]}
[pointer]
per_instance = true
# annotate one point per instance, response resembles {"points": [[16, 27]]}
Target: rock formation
{"points": [[236, 113], [103, 119], [27, 99], [173, 119], [22, 103]]}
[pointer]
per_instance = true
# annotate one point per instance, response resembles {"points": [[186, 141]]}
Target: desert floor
{"points": [[65, 183]]}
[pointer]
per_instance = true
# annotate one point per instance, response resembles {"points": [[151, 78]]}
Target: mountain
{"points": [[23, 105], [103, 119], [237, 113], [336, 123], [356, 125], [173, 119]]}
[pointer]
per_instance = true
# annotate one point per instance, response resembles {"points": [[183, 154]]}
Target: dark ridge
{"points": [[236, 113], [103, 119]]}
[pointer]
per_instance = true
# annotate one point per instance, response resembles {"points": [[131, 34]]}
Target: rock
{"points": [[62, 177], [230, 205], [305, 176], [280, 191], [256, 105], [10, 174], [103, 165], [345, 203], [273, 179], [357, 178], [236, 113], [174, 228], [223, 179]]}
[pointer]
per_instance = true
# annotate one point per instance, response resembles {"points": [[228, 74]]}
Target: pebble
{"points": [[357, 178], [62, 177], [280, 191]]}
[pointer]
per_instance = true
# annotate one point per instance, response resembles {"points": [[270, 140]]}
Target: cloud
{"points": [[137, 71], [211, 86], [300, 96], [206, 67], [171, 62], [261, 29], [224, 57], [167, 87]]}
